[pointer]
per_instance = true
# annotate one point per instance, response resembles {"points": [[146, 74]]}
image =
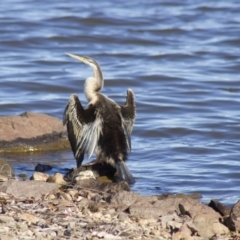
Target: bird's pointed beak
{"points": [[79, 58]]}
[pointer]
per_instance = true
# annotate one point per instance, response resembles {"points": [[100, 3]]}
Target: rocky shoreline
{"points": [[83, 205], [93, 210]]}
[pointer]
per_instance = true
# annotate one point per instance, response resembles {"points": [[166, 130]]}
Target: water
{"points": [[181, 58]]}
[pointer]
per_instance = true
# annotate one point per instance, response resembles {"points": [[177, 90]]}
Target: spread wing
{"points": [[129, 114], [83, 128]]}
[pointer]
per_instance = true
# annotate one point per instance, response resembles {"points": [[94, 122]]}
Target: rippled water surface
{"points": [[182, 60]]}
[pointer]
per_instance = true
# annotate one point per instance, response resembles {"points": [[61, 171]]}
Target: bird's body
{"points": [[104, 127]]}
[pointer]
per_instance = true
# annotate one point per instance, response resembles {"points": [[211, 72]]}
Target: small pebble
{"points": [[53, 234]]}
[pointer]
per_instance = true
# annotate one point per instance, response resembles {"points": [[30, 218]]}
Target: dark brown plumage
{"points": [[104, 127]]}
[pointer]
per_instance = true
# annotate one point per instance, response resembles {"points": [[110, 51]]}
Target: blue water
{"points": [[182, 60]]}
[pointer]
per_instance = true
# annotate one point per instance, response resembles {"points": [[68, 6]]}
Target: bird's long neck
{"points": [[93, 85], [99, 78]]}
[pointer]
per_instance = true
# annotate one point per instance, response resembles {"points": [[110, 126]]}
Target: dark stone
{"points": [[67, 233], [42, 167], [219, 207], [229, 223]]}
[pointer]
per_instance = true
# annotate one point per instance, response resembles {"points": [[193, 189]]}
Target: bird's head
{"points": [[87, 60], [92, 84]]}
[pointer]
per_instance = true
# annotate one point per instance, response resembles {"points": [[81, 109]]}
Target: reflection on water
{"points": [[180, 58]]}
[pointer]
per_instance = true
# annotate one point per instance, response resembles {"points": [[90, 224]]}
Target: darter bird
{"points": [[103, 127]]}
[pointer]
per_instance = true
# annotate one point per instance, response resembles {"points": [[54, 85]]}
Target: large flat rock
{"points": [[28, 189], [31, 132]]}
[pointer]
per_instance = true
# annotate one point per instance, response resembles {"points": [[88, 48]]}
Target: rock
{"points": [[8, 237], [32, 132], [182, 235], [23, 226], [42, 167], [83, 203], [39, 176], [151, 207], [85, 175], [103, 187], [219, 207], [56, 178], [66, 196], [27, 189], [186, 230], [125, 198], [224, 238], [193, 208], [146, 207], [144, 210], [4, 219], [22, 176], [3, 178], [171, 220], [74, 194], [6, 168], [205, 219], [123, 216], [29, 218], [233, 222], [219, 228], [99, 170], [208, 226], [108, 236]]}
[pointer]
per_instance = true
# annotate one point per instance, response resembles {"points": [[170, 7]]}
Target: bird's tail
{"points": [[124, 173]]}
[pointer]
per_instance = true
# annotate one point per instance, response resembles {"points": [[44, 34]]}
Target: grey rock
{"points": [[123, 216], [151, 207], [193, 208], [208, 226], [28, 189], [182, 235], [233, 223], [5, 219], [22, 226], [171, 220], [125, 198], [8, 237]]}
